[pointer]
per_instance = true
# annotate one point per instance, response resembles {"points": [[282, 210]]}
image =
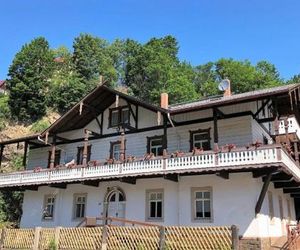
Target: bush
{"points": [[40, 126], [52, 245]]}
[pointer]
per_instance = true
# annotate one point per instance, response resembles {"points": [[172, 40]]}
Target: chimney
{"points": [[227, 88], [164, 100], [227, 92]]}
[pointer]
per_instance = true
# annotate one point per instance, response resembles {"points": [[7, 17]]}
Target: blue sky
{"points": [[206, 29]]}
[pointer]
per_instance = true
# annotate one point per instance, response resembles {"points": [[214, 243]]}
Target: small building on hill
{"points": [[224, 160]]}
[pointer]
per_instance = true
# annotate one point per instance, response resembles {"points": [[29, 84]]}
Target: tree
{"points": [[154, 68], [92, 59], [294, 79], [28, 80], [66, 86], [242, 74]]}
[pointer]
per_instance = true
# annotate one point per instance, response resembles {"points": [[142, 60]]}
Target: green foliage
{"points": [[243, 76], [40, 126], [92, 58], [154, 68], [4, 111], [28, 80], [10, 201], [52, 245], [294, 79], [66, 85]]}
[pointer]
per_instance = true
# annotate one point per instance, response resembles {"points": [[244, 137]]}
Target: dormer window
{"points": [[119, 116]]}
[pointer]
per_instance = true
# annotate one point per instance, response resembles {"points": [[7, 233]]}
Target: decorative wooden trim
{"points": [[80, 151], [56, 161]]}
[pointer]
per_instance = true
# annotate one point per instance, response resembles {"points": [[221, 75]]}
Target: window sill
{"points": [[195, 220], [155, 219]]}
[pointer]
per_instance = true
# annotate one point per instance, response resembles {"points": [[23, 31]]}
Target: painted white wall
{"points": [[233, 203]]}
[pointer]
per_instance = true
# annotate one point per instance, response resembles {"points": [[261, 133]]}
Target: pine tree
{"points": [[28, 80]]}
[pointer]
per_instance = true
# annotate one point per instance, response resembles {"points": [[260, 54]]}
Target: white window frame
{"points": [[194, 200], [116, 152], [45, 207], [155, 147], [156, 200], [75, 203], [199, 141]]}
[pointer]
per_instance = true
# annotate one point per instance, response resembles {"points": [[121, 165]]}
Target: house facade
{"points": [[224, 160]]}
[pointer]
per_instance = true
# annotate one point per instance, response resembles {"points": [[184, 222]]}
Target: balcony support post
{"points": [[122, 145], [286, 127], [1, 153], [25, 154], [165, 137], [216, 134], [296, 153], [263, 193], [52, 156], [85, 147]]}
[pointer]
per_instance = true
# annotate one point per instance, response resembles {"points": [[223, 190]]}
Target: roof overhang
{"points": [[93, 105]]}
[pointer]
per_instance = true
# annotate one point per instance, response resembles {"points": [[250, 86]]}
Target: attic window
{"points": [[119, 116]]}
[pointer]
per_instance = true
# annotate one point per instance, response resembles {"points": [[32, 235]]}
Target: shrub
{"points": [[40, 126]]}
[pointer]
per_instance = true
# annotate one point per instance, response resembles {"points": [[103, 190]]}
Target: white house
{"points": [[225, 160]]}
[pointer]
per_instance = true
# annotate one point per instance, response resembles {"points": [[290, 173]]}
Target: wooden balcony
{"points": [[239, 158]]}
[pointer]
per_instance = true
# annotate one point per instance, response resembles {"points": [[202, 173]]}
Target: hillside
{"points": [[12, 130]]}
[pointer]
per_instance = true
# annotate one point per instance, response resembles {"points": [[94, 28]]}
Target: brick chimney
{"points": [[227, 91], [164, 100]]}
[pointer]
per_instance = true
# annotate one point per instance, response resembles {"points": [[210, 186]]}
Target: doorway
{"points": [[115, 204]]}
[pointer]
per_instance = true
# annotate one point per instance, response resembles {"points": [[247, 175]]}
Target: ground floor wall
{"points": [[232, 202]]}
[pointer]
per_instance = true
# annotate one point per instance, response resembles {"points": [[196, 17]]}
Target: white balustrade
{"points": [[142, 166], [103, 170], [258, 156], [190, 162], [204, 160]]}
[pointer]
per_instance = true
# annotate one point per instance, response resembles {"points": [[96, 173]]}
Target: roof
{"points": [[221, 100], [102, 97], [33, 137], [2, 84], [94, 104]]}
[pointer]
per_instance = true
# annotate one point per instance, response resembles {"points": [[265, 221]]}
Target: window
{"points": [[200, 139], [202, 204], [80, 154], [271, 205], [115, 150], [49, 203], [154, 204], [155, 145], [119, 116], [79, 205], [56, 160]]}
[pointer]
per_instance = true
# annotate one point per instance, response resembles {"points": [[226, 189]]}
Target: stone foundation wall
{"points": [[250, 244], [262, 243]]}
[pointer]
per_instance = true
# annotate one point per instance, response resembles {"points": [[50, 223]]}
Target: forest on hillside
{"points": [[41, 78]]}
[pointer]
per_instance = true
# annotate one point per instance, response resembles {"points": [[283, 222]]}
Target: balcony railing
{"points": [[235, 158]]}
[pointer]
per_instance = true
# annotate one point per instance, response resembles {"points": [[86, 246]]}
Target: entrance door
{"points": [[115, 204]]}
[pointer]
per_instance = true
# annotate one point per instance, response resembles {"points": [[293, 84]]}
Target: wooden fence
{"points": [[111, 237]]}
